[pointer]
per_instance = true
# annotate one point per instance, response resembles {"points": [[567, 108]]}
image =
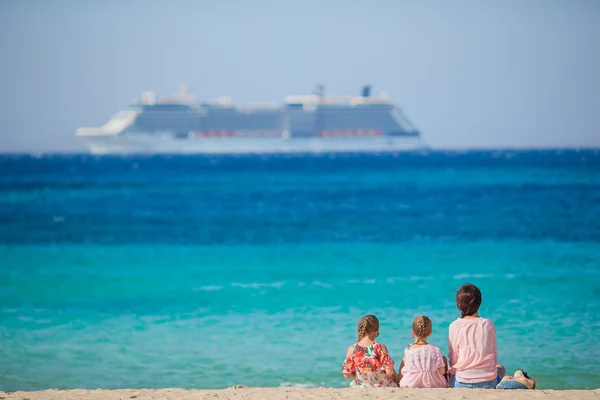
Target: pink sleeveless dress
{"points": [[421, 368]]}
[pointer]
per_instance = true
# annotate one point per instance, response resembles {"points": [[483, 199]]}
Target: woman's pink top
{"points": [[472, 351], [421, 368]]}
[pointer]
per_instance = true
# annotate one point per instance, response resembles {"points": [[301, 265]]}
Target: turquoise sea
{"points": [[207, 272]]}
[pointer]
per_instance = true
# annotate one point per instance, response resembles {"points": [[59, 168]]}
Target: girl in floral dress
{"points": [[367, 362]]}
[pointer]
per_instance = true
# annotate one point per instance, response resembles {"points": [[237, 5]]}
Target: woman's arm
{"points": [[452, 350], [493, 334]]}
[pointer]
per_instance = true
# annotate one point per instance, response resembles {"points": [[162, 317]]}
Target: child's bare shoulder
{"points": [[383, 347], [350, 350]]}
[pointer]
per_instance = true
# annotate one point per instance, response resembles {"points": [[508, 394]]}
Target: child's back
{"points": [[422, 366], [367, 362]]}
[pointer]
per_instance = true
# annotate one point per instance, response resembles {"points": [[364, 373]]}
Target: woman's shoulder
{"points": [[487, 322], [466, 321], [456, 322]]}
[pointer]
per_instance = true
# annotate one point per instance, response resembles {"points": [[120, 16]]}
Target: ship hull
{"points": [[166, 144]]}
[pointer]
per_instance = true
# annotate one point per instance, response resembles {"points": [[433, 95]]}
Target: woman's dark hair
{"points": [[468, 299]]}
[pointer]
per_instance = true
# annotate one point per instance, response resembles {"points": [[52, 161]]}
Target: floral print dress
{"points": [[369, 364]]}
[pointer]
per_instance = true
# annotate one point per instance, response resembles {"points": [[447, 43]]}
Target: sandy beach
{"points": [[301, 394]]}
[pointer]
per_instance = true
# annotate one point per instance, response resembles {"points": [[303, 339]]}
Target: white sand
{"points": [[303, 394]]}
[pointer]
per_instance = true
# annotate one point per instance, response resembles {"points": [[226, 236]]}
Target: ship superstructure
{"points": [[310, 123]]}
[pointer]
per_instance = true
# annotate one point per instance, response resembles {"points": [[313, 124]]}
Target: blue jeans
{"points": [[480, 385]]}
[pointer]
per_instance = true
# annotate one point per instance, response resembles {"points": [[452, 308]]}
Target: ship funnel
{"points": [[183, 90], [366, 91], [148, 98], [319, 91]]}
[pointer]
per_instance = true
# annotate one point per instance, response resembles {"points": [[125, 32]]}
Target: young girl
{"points": [[472, 344], [367, 362], [423, 365]]}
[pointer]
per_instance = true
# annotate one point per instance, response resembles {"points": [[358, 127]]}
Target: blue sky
{"points": [[468, 73]]}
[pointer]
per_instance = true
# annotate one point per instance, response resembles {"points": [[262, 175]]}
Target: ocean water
{"points": [[207, 272]]}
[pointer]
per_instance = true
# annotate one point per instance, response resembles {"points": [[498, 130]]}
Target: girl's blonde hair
{"points": [[367, 324], [421, 326]]}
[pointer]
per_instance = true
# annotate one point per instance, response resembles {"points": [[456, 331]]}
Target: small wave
{"points": [[321, 284], [151, 319], [276, 285], [420, 278], [208, 288], [467, 276], [394, 279], [462, 276], [367, 281]]}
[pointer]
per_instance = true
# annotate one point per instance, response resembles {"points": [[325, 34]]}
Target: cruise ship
{"points": [[308, 123]]}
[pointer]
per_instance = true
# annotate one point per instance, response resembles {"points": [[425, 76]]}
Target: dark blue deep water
{"points": [[210, 271]]}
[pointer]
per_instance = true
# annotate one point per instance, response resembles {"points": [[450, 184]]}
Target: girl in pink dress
{"points": [[367, 362], [423, 365]]}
